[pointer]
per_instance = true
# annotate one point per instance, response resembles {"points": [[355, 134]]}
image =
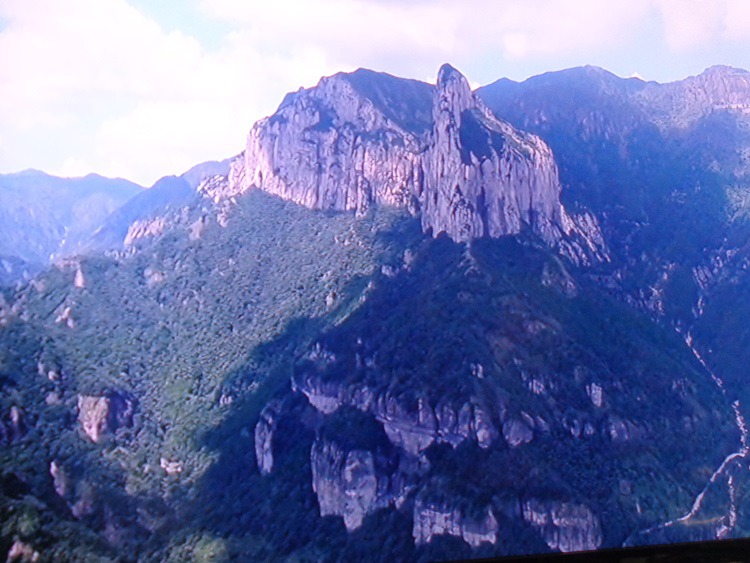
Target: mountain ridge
{"points": [[331, 147], [326, 351]]}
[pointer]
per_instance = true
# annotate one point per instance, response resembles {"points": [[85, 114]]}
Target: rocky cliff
{"points": [[333, 147], [410, 425], [436, 519], [104, 415], [352, 483], [264, 431], [564, 526], [344, 146], [482, 176]]}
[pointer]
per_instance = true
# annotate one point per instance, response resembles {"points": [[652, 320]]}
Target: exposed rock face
{"points": [[79, 281], [331, 147], [432, 519], [564, 526], [517, 432], [21, 552], [170, 467], [483, 177], [368, 138], [80, 496], [102, 415], [143, 228], [264, 431], [60, 479], [352, 483], [410, 427], [17, 424]]}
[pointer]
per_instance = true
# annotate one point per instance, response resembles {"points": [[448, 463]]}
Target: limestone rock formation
{"points": [[564, 526], [102, 415], [517, 432], [482, 176], [410, 427], [21, 552], [264, 431], [60, 479], [367, 138], [352, 483], [435, 519], [17, 423], [335, 147]]}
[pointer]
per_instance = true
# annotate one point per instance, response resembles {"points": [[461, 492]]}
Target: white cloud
{"points": [[100, 84], [737, 19], [543, 27], [108, 81], [689, 23], [693, 24]]}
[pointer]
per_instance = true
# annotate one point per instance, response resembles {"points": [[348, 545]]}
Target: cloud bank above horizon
{"points": [[140, 89]]}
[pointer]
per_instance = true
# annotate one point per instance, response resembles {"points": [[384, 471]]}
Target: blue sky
{"points": [[144, 88]]}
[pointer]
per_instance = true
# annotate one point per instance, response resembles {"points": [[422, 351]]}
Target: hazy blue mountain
{"points": [[42, 216], [664, 166], [204, 170], [167, 196]]}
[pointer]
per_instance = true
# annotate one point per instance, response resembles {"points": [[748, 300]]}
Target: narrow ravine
{"points": [[729, 521]]}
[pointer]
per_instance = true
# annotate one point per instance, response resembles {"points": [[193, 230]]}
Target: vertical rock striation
{"points": [[368, 138], [436, 519], [411, 426], [264, 431], [352, 483], [334, 147], [564, 526], [482, 176]]}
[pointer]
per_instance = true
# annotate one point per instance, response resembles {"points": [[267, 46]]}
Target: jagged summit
{"points": [[723, 70], [483, 177], [448, 72], [369, 138], [453, 93], [682, 103]]}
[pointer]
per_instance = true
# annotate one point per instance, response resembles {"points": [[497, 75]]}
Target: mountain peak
{"points": [[448, 72], [453, 92], [368, 138], [722, 70]]}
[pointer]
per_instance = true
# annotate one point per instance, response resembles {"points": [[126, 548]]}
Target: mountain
{"points": [[408, 322], [69, 216], [146, 213], [42, 216], [468, 174], [663, 167]]}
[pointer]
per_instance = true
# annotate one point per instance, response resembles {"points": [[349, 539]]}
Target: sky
{"points": [[140, 89]]}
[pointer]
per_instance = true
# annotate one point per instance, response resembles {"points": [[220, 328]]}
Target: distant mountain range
{"points": [[408, 322], [43, 217]]}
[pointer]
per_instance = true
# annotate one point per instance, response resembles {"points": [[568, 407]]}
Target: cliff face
{"points": [[103, 415], [352, 483], [564, 526], [264, 432], [483, 177], [348, 144], [332, 147], [436, 519], [410, 427]]}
